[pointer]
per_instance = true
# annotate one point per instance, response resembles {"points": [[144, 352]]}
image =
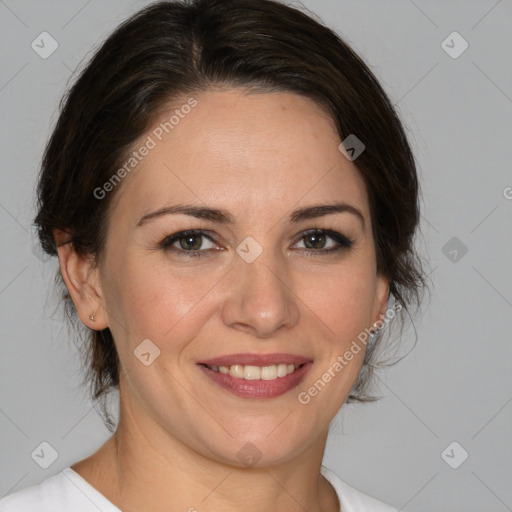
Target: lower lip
{"points": [[258, 388]]}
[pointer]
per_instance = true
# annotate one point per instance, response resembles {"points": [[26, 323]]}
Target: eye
{"points": [[323, 241], [193, 241]]}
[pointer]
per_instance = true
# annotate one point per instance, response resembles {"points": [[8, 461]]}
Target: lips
{"points": [[256, 360], [257, 375]]}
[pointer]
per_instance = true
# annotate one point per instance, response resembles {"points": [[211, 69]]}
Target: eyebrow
{"points": [[224, 217], [200, 212], [313, 212]]}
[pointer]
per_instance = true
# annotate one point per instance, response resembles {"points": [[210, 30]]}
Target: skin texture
{"points": [[260, 157]]}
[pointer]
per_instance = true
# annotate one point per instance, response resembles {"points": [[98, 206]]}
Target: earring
{"points": [[375, 330], [92, 317]]}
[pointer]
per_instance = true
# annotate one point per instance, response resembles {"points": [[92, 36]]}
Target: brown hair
{"points": [[174, 48]]}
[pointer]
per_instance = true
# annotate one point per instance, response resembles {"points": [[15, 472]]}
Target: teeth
{"points": [[252, 372], [282, 370], [236, 370], [249, 372], [269, 372]]}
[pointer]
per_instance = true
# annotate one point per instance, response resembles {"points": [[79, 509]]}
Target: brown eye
{"points": [[315, 240], [191, 242], [323, 241], [188, 241]]}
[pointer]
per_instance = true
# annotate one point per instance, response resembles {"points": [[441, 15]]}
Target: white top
{"points": [[68, 491]]}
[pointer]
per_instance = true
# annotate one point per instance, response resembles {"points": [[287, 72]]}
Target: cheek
{"points": [[342, 300], [156, 301]]}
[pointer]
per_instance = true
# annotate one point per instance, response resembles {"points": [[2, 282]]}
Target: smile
{"points": [[249, 372], [256, 376]]}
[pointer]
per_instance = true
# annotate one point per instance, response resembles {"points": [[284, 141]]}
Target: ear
{"points": [[83, 283], [380, 302]]}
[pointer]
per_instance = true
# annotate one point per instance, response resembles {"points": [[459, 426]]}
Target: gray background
{"points": [[456, 383]]}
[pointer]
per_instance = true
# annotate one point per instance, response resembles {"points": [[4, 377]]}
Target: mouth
{"points": [[250, 372], [257, 375]]}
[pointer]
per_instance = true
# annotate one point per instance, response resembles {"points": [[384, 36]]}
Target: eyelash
{"points": [[343, 242]]}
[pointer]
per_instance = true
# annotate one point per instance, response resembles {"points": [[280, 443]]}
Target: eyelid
{"points": [[168, 241], [343, 241]]}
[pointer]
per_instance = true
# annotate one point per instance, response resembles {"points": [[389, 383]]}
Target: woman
{"points": [[233, 203]]}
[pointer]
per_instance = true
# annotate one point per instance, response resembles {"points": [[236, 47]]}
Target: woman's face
{"points": [[270, 265]]}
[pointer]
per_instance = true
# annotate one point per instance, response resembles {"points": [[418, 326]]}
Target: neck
{"points": [[141, 467]]}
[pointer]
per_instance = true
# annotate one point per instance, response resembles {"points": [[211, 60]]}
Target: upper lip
{"points": [[256, 359]]}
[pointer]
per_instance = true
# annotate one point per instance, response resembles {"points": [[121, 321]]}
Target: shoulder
{"points": [[60, 493], [353, 500]]}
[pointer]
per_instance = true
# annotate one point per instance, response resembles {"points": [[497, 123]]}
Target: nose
{"points": [[259, 301]]}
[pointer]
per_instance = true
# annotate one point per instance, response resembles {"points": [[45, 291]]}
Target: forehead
{"points": [[258, 151]]}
